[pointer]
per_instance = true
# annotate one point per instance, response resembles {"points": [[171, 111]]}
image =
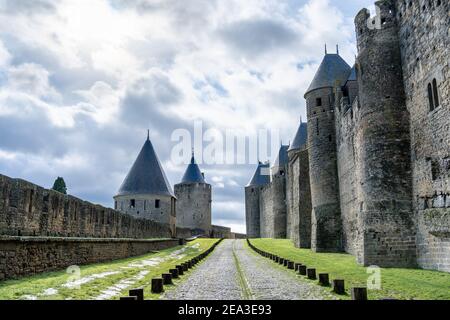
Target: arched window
{"points": [[430, 97], [435, 94]]}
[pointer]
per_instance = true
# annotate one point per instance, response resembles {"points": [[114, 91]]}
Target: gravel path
{"points": [[269, 281], [214, 279], [234, 272]]}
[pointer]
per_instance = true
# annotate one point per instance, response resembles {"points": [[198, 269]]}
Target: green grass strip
{"points": [[397, 283]]}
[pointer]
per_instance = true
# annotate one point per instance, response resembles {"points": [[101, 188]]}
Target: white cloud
{"points": [[5, 56], [94, 75]]}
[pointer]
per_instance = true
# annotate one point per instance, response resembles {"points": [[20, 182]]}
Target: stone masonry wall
{"points": [[382, 136], [273, 208], [220, 232], [252, 211], [30, 210], [425, 52], [21, 256], [326, 233], [194, 206], [299, 200], [346, 153]]}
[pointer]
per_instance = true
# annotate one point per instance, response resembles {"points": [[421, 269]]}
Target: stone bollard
{"points": [[359, 293], [180, 270], [291, 265], [302, 270], [324, 279], [138, 293], [338, 286], [128, 298], [174, 273], [311, 273], [167, 278], [157, 285], [296, 265]]}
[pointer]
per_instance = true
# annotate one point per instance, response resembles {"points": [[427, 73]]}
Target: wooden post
{"points": [[291, 265], [174, 273], [302, 270], [359, 293], [311, 272], [180, 270], [296, 265], [324, 279], [157, 285], [167, 278], [138, 293], [285, 262], [281, 261], [338, 286]]}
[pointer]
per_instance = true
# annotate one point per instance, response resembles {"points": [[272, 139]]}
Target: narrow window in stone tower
{"points": [[157, 203], [317, 126], [115, 205], [435, 94], [132, 203], [430, 97], [318, 102]]}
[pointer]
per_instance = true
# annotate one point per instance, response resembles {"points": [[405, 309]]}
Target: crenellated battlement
{"points": [[379, 141]]}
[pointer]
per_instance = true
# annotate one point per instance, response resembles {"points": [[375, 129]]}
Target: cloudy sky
{"points": [[82, 80]]}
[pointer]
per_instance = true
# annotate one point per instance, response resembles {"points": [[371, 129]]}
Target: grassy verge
{"points": [[396, 283], [109, 280]]}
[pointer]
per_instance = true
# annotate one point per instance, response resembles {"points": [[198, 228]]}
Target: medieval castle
{"points": [[369, 173], [146, 193]]}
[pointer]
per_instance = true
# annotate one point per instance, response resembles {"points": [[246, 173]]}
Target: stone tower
{"points": [[260, 178], [326, 233], [298, 190], [383, 168], [274, 214], [146, 192], [194, 201], [425, 49]]}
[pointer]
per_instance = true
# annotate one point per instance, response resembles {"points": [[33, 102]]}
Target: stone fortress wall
{"points": [[27, 209], [379, 146], [425, 51]]}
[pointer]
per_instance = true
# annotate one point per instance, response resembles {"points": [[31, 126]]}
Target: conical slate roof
{"points": [[261, 175], [193, 173], [352, 76], [146, 175], [282, 157], [332, 68], [301, 137]]}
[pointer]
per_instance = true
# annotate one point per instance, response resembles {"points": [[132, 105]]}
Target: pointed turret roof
{"points": [[193, 173], [352, 76], [301, 137], [332, 68], [282, 158], [146, 175], [261, 175]]}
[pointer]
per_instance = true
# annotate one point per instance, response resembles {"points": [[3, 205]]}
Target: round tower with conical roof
{"points": [[326, 233], [146, 192], [260, 178], [194, 201]]}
